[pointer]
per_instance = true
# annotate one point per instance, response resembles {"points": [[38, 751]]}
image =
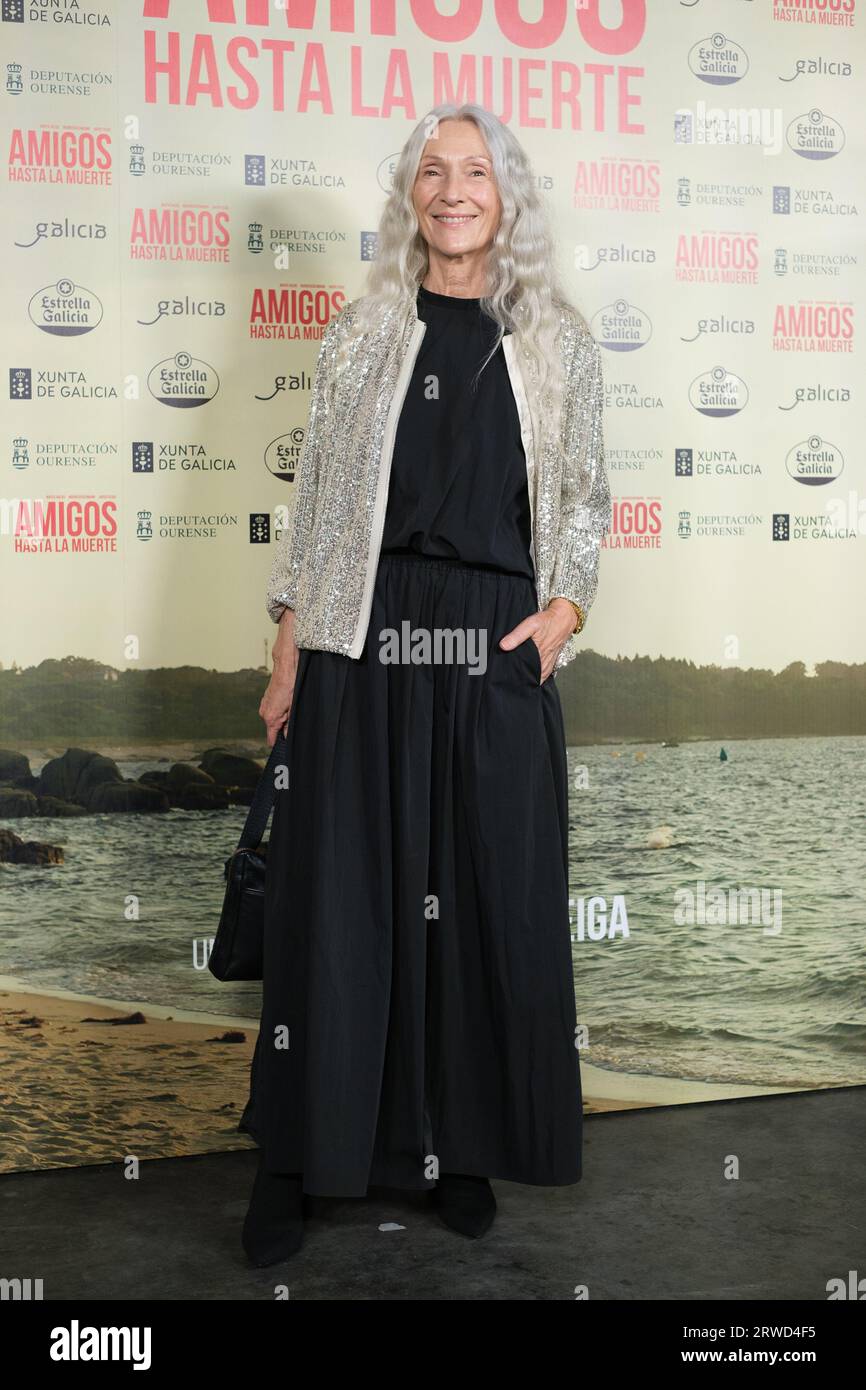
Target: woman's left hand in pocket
{"points": [[549, 630]]}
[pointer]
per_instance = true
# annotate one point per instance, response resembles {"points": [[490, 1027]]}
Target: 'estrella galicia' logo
{"points": [[385, 172], [67, 310], [815, 135], [718, 393], [718, 60], [621, 327], [283, 454], [183, 381], [814, 462]]}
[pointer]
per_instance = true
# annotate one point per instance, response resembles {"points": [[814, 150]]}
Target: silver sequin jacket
{"points": [[325, 559]]}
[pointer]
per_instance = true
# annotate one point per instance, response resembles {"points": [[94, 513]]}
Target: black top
{"points": [[458, 487]]}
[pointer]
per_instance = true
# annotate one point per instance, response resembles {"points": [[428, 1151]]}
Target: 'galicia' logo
{"points": [[65, 309], [621, 327], [814, 462], [183, 381], [718, 60], [815, 136], [718, 393]]}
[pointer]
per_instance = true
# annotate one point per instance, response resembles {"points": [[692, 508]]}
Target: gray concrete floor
{"points": [[653, 1218]]}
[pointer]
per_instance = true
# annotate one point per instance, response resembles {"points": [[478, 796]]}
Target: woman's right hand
{"points": [[277, 699]]}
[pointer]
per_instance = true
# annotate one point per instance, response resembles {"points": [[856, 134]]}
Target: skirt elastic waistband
{"points": [[443, 564]]}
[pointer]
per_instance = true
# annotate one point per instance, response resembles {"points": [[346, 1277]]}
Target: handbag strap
{"points": [[263, 797]]}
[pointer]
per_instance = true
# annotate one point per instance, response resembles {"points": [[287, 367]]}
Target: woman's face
{"points": [[455, 197]]}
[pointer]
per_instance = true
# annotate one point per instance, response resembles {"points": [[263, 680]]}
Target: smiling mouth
{"points": [[451, 220]]}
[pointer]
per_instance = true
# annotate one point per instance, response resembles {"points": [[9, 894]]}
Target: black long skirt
{"points": [[418, 1011]]}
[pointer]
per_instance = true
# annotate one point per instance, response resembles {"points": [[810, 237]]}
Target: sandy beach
{"points": [[80, 1089], [80, 1092]]}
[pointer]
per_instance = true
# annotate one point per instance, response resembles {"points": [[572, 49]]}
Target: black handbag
{"points": [[239, 940]]}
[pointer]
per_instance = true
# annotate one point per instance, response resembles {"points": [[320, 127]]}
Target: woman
{"points": [[418, 1012]]}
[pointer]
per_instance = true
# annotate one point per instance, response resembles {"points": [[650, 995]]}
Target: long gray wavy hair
{"points": [[524, 292]]}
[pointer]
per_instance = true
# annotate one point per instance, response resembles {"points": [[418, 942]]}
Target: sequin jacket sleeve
{"points": [[291, 546], [585, 503]]}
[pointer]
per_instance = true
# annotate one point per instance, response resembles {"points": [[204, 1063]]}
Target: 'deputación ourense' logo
{"points": [[183, 381], [65, 309]]}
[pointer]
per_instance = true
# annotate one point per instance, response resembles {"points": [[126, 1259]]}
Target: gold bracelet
{"points": [[580, 616]]}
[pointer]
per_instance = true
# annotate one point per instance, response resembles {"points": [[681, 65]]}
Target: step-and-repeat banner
{"points": [[192, 191]]}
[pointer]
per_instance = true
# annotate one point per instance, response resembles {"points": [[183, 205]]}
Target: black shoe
{"points": [[465, 1203], [274, 1224]]}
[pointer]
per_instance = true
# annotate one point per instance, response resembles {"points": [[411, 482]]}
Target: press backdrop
{"points": [[192, 192]]}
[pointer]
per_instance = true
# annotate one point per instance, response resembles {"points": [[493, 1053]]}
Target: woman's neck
{"points": [[461, 282]]}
